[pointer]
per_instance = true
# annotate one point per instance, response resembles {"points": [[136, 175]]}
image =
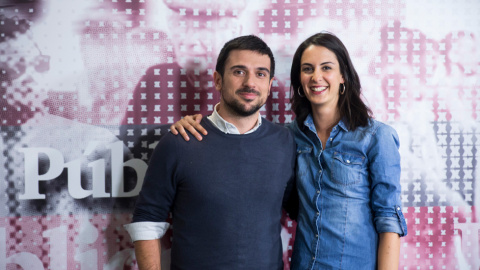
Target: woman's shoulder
{"points": [[381, 132], [377, 127]]}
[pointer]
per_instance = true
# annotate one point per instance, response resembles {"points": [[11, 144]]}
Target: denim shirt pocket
{"points": [[347, 168]]}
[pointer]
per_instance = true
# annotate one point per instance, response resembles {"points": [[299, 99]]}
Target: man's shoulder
{"points": [[280, 129], [279, 132], [170, 138]]}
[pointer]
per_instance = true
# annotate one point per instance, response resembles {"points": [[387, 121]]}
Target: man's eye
{"points": [[238, 72], [261, 74]]}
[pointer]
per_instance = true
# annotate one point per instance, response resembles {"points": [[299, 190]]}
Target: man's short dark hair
{"points": [[249, 43]]}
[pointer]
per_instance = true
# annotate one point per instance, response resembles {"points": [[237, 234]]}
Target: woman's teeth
{"points": [[318, 89]]}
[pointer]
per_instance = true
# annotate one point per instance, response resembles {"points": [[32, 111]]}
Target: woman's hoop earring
{"points": [[343, 91], [298, 91]]}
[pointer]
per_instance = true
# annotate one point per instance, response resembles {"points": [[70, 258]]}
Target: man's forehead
{"points": [[248, 58]]}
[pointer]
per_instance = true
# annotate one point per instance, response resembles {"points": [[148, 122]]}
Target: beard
{"points": [[240, 109]]}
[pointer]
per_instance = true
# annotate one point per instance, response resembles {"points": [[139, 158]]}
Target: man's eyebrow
{"points": [[264, 69], [238, 66], [244, 67]]}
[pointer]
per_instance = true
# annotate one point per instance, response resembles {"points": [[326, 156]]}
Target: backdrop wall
{"points": [[88, 87]]}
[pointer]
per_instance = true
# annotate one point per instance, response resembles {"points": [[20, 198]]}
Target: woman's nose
{"points": [[316, 76]]}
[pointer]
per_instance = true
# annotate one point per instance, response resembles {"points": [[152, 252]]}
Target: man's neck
{"points": [[242, 123]]}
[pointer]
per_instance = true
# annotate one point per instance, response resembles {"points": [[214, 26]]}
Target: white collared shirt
{"points": [[227, 127]]}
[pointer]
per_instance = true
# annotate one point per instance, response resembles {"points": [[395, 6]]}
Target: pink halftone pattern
{"points": [[61, 242], [78, 77]]}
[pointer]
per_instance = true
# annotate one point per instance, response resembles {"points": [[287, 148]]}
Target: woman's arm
{"points": [[388, 251], [190, 123], [384, 172]]}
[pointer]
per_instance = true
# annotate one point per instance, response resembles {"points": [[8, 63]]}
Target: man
{"points": [[182, 84], [225, 193]]}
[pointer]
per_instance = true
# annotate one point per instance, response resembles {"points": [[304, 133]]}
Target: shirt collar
{"points": [[343, 124], [309, 123], [227, 127]]}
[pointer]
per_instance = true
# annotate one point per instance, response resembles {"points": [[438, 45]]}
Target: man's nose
{"points": [[249, 81]]}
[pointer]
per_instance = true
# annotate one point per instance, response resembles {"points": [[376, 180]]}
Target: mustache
{"points": [[248, 90]]}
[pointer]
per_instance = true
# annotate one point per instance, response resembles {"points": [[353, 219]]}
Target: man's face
{"points": [[196, 39], [245, 84]]}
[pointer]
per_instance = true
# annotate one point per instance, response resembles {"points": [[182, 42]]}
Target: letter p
{"points": [[32, 175]]}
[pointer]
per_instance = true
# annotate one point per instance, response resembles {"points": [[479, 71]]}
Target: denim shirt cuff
{"points": [[396, 223]]}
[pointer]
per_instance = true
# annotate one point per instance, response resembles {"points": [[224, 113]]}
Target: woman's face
{"points": [[320, 76]]}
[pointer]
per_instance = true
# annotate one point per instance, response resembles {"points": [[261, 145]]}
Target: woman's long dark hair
{"points": [[350, 104]]}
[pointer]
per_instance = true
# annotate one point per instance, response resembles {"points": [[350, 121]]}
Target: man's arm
{"points": [[148, 253], [291, 200], [388, 251]]}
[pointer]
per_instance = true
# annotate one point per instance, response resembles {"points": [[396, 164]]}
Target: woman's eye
{"points": [[326, 68], [307, 69]]}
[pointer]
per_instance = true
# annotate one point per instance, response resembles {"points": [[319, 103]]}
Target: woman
{"points": [[348, 166]]}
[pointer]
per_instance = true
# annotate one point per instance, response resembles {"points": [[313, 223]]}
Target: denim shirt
{"points": [[349, 193]]}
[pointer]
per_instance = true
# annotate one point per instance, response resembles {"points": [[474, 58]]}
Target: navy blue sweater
{"points": [[225, 194]]}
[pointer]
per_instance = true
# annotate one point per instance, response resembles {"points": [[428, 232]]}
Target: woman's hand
{"points": [[190, 123]]}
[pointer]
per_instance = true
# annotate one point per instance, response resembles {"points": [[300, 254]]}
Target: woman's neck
{"points": [[325, 119]]}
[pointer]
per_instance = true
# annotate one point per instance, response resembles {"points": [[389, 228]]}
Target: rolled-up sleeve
{"points": [[158, 192], [396, 224], [385, 171], [146, 230]]}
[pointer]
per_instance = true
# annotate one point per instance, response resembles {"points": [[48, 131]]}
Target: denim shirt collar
{"points": [[311, 125]]}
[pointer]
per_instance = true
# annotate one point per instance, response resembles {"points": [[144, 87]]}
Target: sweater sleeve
{"points": [[158, 191], [290, 198]]}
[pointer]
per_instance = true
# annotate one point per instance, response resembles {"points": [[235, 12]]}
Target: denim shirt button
{"points": [[313, 258], [318, 213], [316, 235], [319, 171], [398, 208], [348, 161], [318, 191], [331, 139]]}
